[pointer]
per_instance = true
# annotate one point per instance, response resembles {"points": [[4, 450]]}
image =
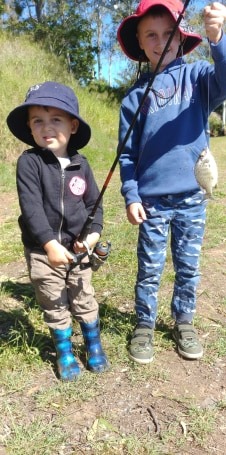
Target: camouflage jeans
{"points": [[182, 218]]}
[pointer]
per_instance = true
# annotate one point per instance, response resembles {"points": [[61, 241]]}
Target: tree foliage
{"points": [[83, 33], [70, 38], [2, 6], [60, 29]]}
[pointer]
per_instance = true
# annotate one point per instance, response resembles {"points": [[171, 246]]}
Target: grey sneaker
{"points": [[141, 345], [188, 344]]}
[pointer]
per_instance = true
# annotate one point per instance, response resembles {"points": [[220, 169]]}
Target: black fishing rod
{"points": [[88, 223], [102, 249]]}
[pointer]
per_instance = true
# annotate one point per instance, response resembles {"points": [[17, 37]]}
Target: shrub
{"points": [[215, 125]]}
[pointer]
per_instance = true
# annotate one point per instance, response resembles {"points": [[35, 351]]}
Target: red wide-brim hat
{"points": [[127, 30]]}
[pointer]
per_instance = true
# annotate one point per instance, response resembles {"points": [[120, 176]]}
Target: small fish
{"points": [[206, 172]]}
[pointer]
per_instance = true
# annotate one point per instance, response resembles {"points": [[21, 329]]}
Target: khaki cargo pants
{"points": [[61, 295]]}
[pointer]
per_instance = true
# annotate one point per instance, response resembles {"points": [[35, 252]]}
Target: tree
{"points": [[2, 6], [57, 26], [70, 38]]}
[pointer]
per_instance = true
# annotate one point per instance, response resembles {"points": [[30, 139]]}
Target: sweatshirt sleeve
{"points": [[29, 190], [90, 198], [129, 153], [214, 80]]}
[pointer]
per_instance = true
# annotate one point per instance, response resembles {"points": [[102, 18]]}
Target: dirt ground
{"points": [[156, 405]]}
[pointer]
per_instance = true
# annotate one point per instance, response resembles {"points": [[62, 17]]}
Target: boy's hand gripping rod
{"points": [[88, 223]]}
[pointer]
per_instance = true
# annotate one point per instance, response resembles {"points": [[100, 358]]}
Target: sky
{"points": [[111, 74]]}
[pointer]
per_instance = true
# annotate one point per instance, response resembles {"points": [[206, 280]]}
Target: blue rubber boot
{"points": [[68, 367], [97, 360]]}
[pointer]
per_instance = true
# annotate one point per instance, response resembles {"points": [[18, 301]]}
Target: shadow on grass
{"points": [[22, 292], [16, 329], [114, 321], [164, 329]]}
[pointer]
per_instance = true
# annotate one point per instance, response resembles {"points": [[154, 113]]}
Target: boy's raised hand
{"points": [[214, 16]]}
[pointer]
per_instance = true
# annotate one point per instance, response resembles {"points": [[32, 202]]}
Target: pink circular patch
{"points": [[77, 186]]}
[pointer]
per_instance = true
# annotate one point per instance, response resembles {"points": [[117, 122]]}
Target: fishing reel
{"points": [[97, 256]]}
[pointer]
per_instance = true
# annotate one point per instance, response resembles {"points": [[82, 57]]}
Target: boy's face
{"points": [[51, 128], [153, 33]]}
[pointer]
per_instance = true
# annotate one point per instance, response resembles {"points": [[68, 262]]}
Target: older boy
{"points": [[157, 163]]}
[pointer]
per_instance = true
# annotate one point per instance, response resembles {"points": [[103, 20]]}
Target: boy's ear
{"points": [[74, 125]]}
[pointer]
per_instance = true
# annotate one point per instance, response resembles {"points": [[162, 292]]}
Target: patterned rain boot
{"points": [[97, 360], [68, 367]]}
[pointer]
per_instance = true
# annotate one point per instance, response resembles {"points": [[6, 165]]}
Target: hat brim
{"points": [[17, 123], [128, 41]]}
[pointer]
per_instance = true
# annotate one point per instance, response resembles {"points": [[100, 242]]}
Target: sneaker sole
{"points": [[188, 355], [141, 361]]}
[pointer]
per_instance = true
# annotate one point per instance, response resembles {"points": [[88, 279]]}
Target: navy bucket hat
{"points": [[49, 94], [127, 31]]}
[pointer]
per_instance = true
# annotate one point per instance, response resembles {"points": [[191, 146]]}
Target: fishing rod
{"points": [[88, 223], [105, 246]]}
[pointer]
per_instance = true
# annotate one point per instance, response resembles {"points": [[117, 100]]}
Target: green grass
{"points": [[23, 64], [36, 411]]}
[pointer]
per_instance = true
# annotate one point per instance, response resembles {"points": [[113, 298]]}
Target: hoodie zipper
{"points": [[62, 203]]}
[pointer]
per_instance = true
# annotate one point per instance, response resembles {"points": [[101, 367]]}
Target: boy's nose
{"points": [[161, 43], [46, 125]]}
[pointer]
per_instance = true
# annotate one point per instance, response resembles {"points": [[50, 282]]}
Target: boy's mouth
{"points": [[160, 53], [48, 138]]}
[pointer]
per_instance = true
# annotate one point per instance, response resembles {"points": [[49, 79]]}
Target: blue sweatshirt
{"points": [[172, 127]]}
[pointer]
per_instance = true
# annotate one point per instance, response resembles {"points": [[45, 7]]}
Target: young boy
{"points": [[57, 191], [157, 162]]}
